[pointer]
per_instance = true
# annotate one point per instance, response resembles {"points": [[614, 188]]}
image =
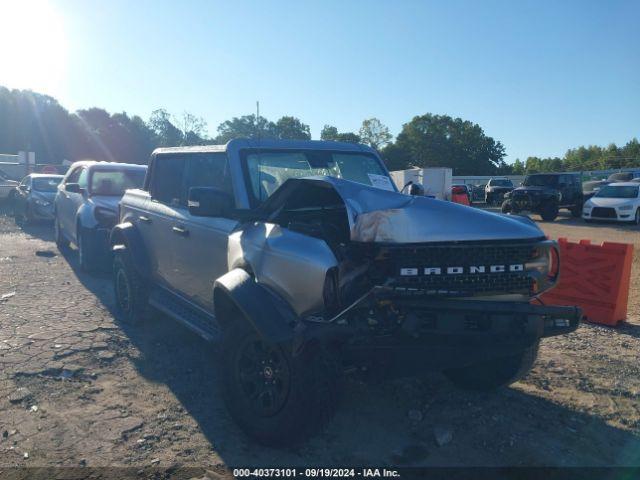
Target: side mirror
{"points": [[73, 188], [416, 189], [209, 202], [24, 188]]}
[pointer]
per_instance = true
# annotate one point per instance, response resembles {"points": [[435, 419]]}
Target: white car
{"points": [[616, 201], [86, 206]]}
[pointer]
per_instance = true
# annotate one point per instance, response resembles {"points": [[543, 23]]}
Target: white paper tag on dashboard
{"points": [[381, 181]]}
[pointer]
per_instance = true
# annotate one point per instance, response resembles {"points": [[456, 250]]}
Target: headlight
{"points": [[626, 207], [42, 203], [105, 217], [543, 267]]}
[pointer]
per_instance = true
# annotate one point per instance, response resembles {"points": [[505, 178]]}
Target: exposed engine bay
{"points": [[370, 254]]}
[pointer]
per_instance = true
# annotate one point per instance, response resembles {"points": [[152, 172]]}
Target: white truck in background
{"points": [[436, 181]]}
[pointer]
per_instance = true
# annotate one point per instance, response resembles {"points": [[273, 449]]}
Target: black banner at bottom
{"points": [[224, 472]]}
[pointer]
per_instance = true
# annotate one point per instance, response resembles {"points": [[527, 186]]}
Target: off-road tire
{"points": [[496, 373], [61, 241], [311, 387], [88, 254], [506, 207], [549, 212], [126, 280], [576, 212]]}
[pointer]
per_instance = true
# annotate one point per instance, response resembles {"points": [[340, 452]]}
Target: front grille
{"points": [[602, 212], [451, 273]]}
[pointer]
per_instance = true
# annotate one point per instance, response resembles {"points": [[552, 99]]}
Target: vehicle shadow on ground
{"points": [[372, 426], [630, 329]]}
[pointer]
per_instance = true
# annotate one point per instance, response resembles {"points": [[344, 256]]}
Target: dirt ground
{"points": [[77, 387]]}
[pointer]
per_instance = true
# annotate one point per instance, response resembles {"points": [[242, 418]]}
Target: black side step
{"points": [[200, 321]]}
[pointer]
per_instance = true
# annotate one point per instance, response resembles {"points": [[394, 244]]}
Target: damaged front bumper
{"points": [[442, 334]]}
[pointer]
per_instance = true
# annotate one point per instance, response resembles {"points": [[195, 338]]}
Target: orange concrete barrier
{"points": [[595, 278], [459, 195]]}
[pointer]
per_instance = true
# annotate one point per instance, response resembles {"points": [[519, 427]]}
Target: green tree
{"points": [[330, 133], [442, 141], [167, 134], [291, 128], [374, 133], [517, 168], [247, 126]]}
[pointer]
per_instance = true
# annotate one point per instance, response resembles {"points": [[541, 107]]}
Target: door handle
{"points": [[144, 219], [181, 231]]}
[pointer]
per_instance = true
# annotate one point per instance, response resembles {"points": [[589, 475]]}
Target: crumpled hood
{"points": [[106, 201], [377, 215]]}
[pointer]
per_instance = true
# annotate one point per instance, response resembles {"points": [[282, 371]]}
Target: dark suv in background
{"points": [[546, 194]]}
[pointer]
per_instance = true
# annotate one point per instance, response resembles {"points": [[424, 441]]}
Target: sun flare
{"points": [[32, 46]]}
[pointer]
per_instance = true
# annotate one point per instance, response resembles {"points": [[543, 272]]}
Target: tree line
{"points": [[35, 122]]}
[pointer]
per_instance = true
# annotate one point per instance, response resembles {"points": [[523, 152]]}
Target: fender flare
{"points": [[126, 236], [269, 315]]}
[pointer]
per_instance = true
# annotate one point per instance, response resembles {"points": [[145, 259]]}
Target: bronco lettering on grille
{"points": [[473, 269]]}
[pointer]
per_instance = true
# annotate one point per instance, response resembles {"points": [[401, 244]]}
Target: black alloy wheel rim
{"points": [[263, 376]]}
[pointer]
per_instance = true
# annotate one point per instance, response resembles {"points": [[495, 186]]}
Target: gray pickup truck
{"points": [[306, 263]]}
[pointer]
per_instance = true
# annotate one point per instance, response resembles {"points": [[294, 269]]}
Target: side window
{"points": [[73, 176], [167, 181], [82, 179], [209, 170]]}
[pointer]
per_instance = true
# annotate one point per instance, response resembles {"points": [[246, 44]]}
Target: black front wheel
{"points": [[637, 218], [17, 214], [61, 241], [275, 397], [506, 207], [549, 212], [131, 290], [88, 253], [496, 373]]}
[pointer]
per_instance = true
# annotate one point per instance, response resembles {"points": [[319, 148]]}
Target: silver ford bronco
{"points": [[306, 263]]}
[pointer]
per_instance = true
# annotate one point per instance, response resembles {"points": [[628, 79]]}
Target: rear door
{"points": [[200, 243], [568, 189]]}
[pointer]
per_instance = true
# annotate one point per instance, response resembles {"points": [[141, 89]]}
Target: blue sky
{"points": [[540, 76]]}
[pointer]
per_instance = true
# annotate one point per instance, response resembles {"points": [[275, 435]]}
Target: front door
{"points": [[156, 223], [201, 242]]}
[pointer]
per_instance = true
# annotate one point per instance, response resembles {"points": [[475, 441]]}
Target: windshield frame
{"points": [[119, 169], [245, 152]]}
